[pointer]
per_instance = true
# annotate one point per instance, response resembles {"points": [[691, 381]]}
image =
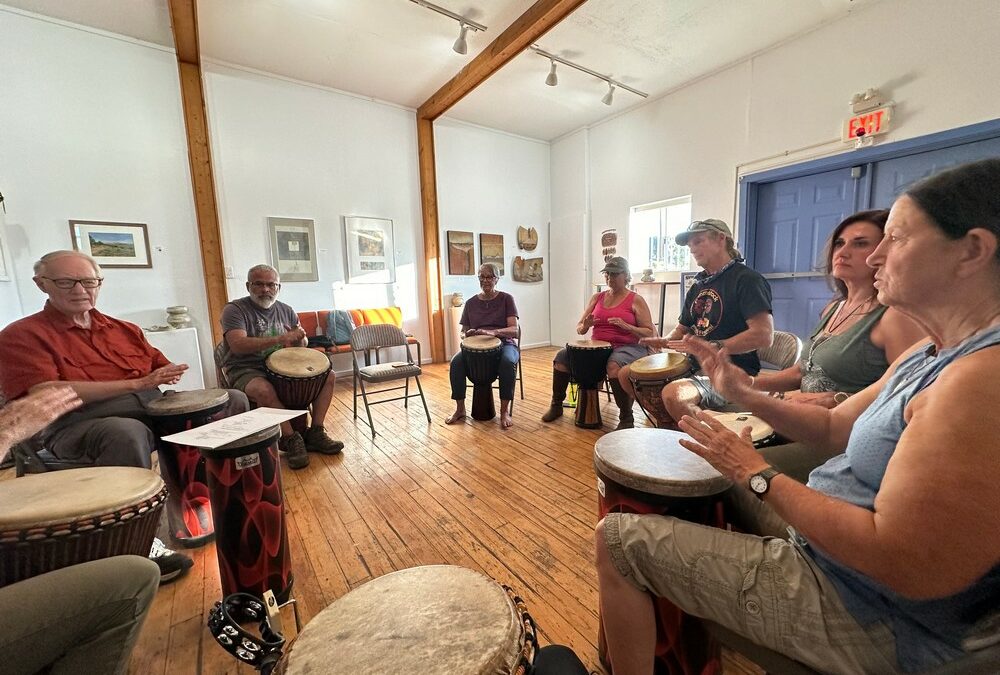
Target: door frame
{"points": [[749, 184]]}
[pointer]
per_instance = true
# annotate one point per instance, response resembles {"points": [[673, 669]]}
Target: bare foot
{"points": [[506, 422], [456, 416]]}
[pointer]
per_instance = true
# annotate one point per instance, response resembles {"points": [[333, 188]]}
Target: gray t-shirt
{"points": [[243, 314]]}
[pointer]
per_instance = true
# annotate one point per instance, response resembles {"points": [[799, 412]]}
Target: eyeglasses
{"points": [[486, 278], [67, 284], [270, 285]]}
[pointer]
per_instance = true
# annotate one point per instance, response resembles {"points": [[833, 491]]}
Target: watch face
{"points": [[758, 483]]}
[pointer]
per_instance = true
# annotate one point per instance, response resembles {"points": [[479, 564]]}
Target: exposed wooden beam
{"points": [[184, 21], [432, 246], [526, 29]]}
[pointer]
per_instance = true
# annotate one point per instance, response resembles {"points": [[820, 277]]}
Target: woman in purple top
{"points": [[493, 313]]}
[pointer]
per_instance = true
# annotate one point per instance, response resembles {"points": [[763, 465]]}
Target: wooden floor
{"points": [[519, 505]]}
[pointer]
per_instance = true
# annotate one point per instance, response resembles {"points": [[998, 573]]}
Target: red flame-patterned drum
{"points": [[646, 470], [244, 478], [182, 466]]}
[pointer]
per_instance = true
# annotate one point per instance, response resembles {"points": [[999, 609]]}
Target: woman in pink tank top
{"points": [[618, 316]]}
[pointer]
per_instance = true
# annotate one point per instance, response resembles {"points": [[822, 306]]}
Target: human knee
{"points": [[120, 441], [238, 402], [262, 392]]}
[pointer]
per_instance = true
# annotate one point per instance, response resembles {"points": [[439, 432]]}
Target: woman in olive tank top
{"points": [[856, 338]]}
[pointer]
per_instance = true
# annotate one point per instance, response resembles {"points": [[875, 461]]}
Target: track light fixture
{"points": [[552, 79], [464, 25], [610, 95]]}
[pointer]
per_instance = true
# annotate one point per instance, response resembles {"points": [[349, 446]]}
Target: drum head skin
{"points": [[759, 429], [481, 343], [588, 344], [298, 362], [652, 461], [186, 402], [660, 366], [433, 619], [40, 499]]}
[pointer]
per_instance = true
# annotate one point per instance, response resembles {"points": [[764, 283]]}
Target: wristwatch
{"points": [[760, 482]]}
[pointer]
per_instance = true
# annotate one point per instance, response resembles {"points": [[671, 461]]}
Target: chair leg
{"points": [[368, 408], [354, 386], [520, 376], [419, 358], [422, 399], [406, 394]]}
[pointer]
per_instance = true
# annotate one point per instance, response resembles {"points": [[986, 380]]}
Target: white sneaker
{"points": [[172, 565]]}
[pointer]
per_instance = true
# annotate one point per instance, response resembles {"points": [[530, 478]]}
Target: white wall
{"points": [[91, 129], [283, 148], [784, 106], [491, 182], [571, 220]]}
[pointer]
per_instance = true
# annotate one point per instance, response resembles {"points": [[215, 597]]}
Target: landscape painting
{"points": [[112, 244], [371, 256]]}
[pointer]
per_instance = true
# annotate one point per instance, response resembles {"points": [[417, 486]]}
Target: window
{"points": [[651, 232]]}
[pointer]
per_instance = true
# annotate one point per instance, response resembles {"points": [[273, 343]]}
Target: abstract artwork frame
{"points": [[293, 248], [461, 253], [491, 250], [112, 244], [371, 257]]}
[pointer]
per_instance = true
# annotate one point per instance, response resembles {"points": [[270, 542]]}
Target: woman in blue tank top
{"points": [[891, 558], [857, 337]]}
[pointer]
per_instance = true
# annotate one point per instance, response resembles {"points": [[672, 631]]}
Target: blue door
{"points": [[794, 219], [892, 176]]}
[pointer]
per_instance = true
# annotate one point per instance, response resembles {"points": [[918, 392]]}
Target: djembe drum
{"points": [[649, 375], [761, 433], [482, 366], [297, 375], [182, 466], [432, 619], [647, 471], [244, 480], [588, 363], [62, 518]]}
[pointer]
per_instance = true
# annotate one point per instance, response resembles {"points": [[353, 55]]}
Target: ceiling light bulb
{"points": [[552, 79], [460, 45], [610, 95]]}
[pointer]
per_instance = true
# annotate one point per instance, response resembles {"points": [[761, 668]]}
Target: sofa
{"points": [[315, 323]]}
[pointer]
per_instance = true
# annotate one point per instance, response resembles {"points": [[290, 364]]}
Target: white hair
{"points": [[43, 262], [262, 268]]}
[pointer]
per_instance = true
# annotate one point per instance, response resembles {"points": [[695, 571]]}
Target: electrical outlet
{"points": [[229, 272]]}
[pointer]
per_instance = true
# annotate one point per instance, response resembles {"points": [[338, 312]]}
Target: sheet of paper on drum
{"points": [[229, 429]]}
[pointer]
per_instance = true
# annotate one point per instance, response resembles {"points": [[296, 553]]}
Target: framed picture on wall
{"points": [[687, 281], [112, 244], [293, 248], [371, 257], [491, 250], [461, 253]]}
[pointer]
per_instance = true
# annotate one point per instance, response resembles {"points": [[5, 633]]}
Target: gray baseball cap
{"points": [[616, 265], [707, 225]]}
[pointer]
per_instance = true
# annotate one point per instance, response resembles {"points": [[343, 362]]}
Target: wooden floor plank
{"points": [[518, 505]]}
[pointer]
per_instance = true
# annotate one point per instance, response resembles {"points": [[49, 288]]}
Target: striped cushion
{"points": [[384, 372]]}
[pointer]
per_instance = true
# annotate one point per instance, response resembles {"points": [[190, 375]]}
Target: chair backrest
{"points": [[220, 353], [784, 351], [377, 335]]}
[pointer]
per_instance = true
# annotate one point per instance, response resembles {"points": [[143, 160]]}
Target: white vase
{"points": [[457, 300], [177, 316]]}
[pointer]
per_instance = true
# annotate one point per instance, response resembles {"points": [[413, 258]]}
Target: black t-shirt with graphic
{"points": [[719, 309]]}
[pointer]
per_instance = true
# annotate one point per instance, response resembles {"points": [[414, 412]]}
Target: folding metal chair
{"points": [[376, 337]]}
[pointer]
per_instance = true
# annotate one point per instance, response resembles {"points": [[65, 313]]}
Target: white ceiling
{"points": [[397, 51]]}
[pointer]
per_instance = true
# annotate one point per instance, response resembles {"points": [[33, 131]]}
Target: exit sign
{"points": [[871, 123]]}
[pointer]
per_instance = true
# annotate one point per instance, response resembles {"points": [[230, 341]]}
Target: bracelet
{"points": [[752, 380], [840, 397], [225, 622]]}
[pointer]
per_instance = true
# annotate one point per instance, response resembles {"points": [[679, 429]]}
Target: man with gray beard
{"points": [[255, 326]]}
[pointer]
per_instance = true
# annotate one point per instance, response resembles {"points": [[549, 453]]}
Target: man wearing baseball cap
{"points": [[728, 305]]}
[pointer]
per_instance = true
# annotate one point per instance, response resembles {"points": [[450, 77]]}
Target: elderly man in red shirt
{"points": [[107, 362]]}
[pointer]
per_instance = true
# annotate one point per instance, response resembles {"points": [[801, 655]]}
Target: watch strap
{"points": [[767, 474]]}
